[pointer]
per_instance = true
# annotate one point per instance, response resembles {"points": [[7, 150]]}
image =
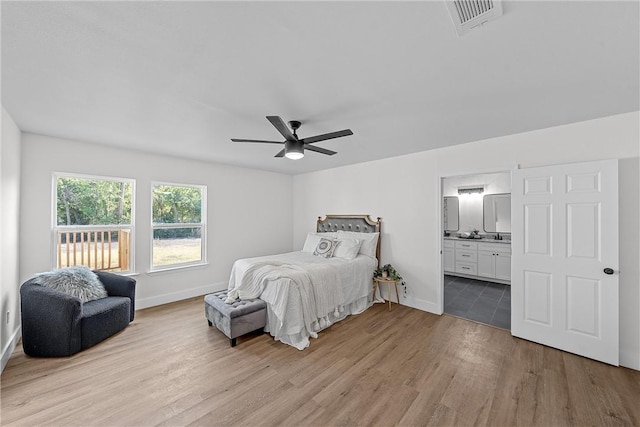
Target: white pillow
{"points": [[313, 239], [325, 248], [347, 248], [369, 241], [311, 242], [328, 235]]}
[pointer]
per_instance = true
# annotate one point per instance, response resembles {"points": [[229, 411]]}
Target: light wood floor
{"points": [[404, 367]]}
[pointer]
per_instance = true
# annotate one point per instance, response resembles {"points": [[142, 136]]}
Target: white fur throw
{"points": [[79, 282]]}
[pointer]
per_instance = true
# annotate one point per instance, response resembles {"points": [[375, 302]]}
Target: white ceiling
{"points": [[182, 78]]}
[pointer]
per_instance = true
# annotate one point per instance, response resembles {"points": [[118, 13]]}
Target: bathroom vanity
{"points": [[484, 259]]}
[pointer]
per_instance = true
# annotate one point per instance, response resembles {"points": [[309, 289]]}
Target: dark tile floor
{"points": [[484, 302]]}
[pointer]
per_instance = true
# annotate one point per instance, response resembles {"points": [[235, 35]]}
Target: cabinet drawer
{"points": [[499, 248], [466, 268], [466, 256], [449, 244], [467, 245]]}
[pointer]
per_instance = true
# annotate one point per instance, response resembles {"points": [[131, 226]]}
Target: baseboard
{"points": [[412, 302], [179, 296], [424, 305], [7, 351], [630, 360]]}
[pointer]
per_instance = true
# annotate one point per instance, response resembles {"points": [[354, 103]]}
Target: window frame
{"points": [[164, 226], [55, 228]]}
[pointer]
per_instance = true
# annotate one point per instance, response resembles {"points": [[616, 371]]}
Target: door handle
{"points": [[608, 270]]}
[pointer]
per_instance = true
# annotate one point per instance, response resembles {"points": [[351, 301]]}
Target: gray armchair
{"points": [[56, 324]]}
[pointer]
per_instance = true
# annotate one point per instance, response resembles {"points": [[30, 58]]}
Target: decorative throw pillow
{"points": [[313, 239], [325, 248], [79, 282]]}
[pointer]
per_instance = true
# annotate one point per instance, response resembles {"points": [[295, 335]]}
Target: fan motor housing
{"points": [[294, 149]]}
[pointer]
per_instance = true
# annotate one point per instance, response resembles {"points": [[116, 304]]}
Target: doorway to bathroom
{"points": [[476, 247]]}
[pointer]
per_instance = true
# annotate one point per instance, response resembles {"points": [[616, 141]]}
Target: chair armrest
{"points": [[50, 321], [121, 286]]}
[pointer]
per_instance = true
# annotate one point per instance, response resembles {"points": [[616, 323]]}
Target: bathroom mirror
{"points": [[450, 213], [497, 213]]}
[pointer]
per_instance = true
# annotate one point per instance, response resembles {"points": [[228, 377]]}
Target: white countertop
{"points": [[483, 240]]}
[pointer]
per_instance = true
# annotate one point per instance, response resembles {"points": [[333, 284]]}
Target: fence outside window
{"points": [[96, 248], [93, 222]]}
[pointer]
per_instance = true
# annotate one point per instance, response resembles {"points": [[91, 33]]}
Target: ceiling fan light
{"points": [[294, 155], [293, 150]]}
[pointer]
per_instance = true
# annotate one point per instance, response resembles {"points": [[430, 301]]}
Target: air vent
{"points": [[468, 14]]}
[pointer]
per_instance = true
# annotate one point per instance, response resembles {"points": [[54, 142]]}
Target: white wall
{"points": [[249, 212], [471, 205], [9, 244], [405, 192]]}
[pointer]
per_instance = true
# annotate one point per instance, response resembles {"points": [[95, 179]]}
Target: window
{"points": [[178, 223], [93, 222]]}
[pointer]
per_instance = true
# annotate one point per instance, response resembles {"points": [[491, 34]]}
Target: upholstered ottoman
{"points": [[234, 320]]}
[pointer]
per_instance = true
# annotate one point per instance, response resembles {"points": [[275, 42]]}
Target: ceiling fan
{"points": [[293, 146]]}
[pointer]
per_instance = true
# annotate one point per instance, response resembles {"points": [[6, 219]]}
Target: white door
{"points": [[564, 281]]}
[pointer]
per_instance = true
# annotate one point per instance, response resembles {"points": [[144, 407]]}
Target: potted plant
{"points": [[388, 271]]}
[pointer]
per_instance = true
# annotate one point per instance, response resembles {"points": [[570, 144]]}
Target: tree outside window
{"points": [[178, 223]]}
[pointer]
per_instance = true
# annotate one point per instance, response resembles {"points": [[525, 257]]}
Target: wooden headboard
{"points": [[357, 223]]}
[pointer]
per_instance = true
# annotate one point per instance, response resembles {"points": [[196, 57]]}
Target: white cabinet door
{"points": [[564, 280], [449, 259], [503, 266], [486, 264]]}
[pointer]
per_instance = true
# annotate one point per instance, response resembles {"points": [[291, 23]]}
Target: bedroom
{"points": [[400, 187]]}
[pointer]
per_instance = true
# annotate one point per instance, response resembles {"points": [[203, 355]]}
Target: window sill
{"points": [[176, 268], [130, 274]]}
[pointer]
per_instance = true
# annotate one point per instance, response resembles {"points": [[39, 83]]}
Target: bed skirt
{"points": [[299, 338]]}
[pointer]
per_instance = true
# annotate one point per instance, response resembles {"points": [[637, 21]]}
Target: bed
{"points": [[309, 290]]}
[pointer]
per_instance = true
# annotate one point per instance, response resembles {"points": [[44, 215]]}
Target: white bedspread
{"points": [[304, 293]]}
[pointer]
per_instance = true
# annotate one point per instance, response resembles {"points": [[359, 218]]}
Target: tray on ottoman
{"points": [[234, 320]]}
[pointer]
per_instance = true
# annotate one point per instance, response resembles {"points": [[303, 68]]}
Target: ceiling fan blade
{"points": [[256, 140], [326, 136], [280, 154], [277, 122], [319, 150]]}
